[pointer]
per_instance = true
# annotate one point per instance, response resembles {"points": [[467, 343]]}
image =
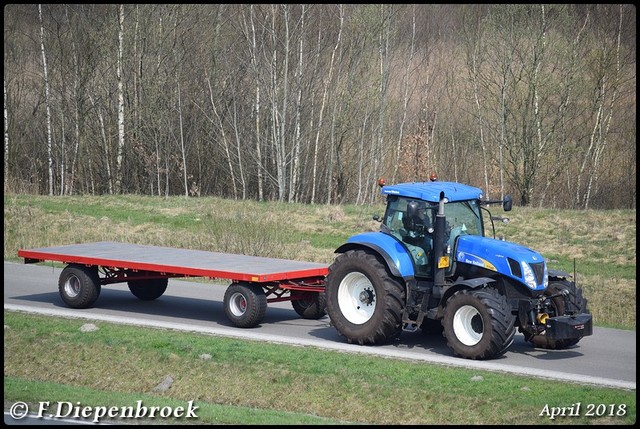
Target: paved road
{"points": [[607, 358]]}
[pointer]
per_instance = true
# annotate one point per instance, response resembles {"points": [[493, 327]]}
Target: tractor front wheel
{"points": [[478, 323], [558, 307]]}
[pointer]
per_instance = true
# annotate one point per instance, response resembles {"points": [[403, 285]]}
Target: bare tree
{"points": [[606, 92], [474, 62], [47, 101], [301, 103], [6, 136], [295, 163], [118, 185], [406, 82], [223, 134], [323, 103], [249, 30]]}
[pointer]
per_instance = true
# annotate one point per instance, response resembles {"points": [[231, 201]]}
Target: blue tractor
{"points": [[431, 267]]}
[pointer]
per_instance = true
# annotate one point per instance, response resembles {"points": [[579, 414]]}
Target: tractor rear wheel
{"points": [[478, 323], [558, 307], [364, 301]]}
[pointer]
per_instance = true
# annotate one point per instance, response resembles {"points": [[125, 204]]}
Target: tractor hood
{"points": [[509, 259]]}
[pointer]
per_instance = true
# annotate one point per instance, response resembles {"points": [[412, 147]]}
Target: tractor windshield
{"points": [[463, 217]]}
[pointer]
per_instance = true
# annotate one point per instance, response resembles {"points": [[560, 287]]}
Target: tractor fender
{"points": [[558, 274], [391, 250], [465, 284]]}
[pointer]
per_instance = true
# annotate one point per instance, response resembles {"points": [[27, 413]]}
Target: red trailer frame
{"points": [[146, 269]]}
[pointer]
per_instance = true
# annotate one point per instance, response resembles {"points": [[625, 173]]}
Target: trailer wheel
{"points": [[364, 301], [79, 285], [576, 303], [149, 289], [478, 323], [309, 305], [245, 304]]}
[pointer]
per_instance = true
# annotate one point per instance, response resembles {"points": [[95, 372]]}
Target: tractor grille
{"points": [[538, 270]]}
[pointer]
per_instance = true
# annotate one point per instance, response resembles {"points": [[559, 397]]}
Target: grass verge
{"points": [[601, 243], [246, 382]]}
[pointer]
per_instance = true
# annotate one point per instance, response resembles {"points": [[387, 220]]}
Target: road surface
{"points": [[606, 358]]}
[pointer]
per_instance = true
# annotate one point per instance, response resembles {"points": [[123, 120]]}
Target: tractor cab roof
{"points": [[430, 191]]}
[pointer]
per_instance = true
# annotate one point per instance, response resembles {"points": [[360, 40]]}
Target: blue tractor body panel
{"points": [[388, 247], [430, 191], [494, 255]]}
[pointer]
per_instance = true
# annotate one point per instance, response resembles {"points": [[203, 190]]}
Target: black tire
{"points": [[79, 285], [364, 301], [478, 323], [149, 289], [245, 304], [558, 308], [310, 305]]}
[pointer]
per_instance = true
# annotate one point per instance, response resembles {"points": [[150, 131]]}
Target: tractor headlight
{"points": [[529, 277]]}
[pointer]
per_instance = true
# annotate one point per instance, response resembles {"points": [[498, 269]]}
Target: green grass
{"points": [[601, 243], [236, 381], [35, 392], [247, 382]]}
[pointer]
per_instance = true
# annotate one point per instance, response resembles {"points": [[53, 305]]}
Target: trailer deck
{"points": [[146, 269], [180, 262]]}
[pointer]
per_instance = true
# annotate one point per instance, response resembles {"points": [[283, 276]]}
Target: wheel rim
{"points": [[72, 287], [237, 304], [468, 325], [356, 298]]}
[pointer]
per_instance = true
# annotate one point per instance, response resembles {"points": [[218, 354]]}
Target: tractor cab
{"points": [[411, 214]]}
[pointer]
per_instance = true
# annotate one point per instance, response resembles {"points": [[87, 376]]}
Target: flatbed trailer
{"points": [[255, 281]]}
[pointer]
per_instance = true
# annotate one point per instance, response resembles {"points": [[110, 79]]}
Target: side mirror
{"points": [[377, 218], [507, 203]]}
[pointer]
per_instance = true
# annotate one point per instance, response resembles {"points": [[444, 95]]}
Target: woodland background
{"points": [[312, 103]]}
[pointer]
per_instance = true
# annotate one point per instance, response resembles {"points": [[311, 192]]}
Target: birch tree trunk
{"points": [[120, 101], [6, 137], [47, 101], [250, 34], [182, 150], [281, 136], [76, 109], [295, 162]]}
